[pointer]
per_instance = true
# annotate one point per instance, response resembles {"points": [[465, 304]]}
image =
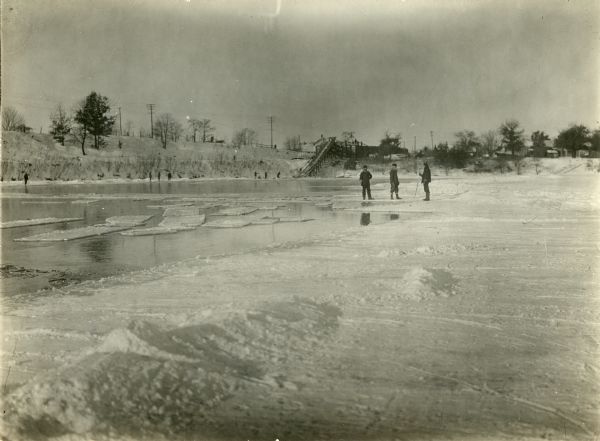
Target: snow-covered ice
{"points": [[477, 318]]}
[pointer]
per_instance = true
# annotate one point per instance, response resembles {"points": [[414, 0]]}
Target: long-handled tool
{"points": [[417, 188]]}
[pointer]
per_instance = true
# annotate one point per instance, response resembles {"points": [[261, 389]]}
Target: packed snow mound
{"points": [[40, 221], [128, 221], [166, 382], [417, 284]]}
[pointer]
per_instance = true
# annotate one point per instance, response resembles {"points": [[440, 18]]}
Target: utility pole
{"points": [[415, 146], [271, 122], [431, 133], [151, 107], [120, 128]]}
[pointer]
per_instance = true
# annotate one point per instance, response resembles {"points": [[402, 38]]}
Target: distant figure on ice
{"points": [[169, 176], [394, 182], [278, 174], [25, 178], [255, 175], [426, 179], [365, 181], [150, 176], [265, 175], [158, 176]]}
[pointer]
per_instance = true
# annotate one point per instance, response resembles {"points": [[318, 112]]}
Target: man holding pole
{"points": [[426, 179], [394, 182]]}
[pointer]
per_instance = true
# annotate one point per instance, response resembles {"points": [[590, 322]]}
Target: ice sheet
{"points": [[228, 223], [128, 221], [236, 211], [72, 234], [40, 221]]}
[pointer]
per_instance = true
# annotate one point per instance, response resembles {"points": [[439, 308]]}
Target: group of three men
{"points": [[365, 181]]}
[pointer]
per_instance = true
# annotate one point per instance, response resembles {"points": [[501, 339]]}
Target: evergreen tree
{"points": [[60, 124], [94, 118]]}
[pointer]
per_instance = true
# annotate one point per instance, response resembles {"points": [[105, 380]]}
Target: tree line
{"points": [[91, 118]]}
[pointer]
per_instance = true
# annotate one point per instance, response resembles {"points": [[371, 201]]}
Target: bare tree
{"points": [[128, 128], [167, 129], [244, 137], [489, 142], [175, 131], [60, 124], [467, 141], [206, 128], [194, 127], [12, 120]]}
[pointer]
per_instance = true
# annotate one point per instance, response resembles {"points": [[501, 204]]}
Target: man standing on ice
{"points": [[426, 179], [365, 181], [394, 182]]}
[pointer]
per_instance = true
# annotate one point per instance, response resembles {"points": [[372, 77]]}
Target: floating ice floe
{"points": [[181, 211], [183, 221], [41, 221], [324, 205], [265, 221], [128, 221], [44, 202], [164, 206], [84, 201], [228, 223], [271, 207], [75, 233], [236, 211], [151, 231], [294, 219]]}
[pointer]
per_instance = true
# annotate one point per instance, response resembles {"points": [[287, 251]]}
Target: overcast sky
{"points": [[317, 66]]}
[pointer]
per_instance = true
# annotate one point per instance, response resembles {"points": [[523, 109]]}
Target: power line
{"points": [[120, 128], [151, 107], [271, 121]]}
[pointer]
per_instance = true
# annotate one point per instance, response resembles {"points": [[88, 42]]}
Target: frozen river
{"points": [[39, 265], [473, 317]]}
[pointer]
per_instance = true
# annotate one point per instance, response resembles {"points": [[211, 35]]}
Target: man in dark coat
{"points": [[365, 181], [394, 182], [426, 179]]}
